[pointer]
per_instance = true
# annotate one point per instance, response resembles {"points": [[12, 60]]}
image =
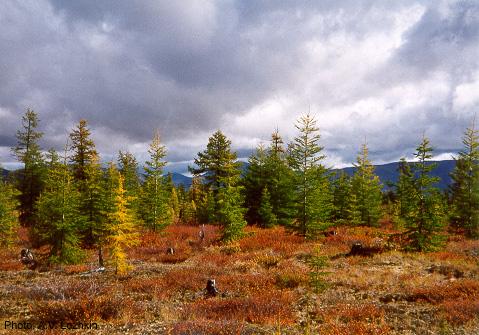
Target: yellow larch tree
{"points": [[123, 230]]}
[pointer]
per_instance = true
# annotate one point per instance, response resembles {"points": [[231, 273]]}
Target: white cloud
{"points": [[466, 95]]}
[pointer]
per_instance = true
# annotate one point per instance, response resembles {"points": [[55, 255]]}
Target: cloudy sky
{"points": [[384, 71]]}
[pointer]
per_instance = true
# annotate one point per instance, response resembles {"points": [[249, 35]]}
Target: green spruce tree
{"points": [[254, 182], [59, 219], [230, 210], [30, 181], [8, 213], [405, 192], [281, 181], [83, 152], [128, 167], [155, 210], [216, 165], [313, 194], [341, 198], [424, 222], [465, 186], [366, 187], [265, 211]]}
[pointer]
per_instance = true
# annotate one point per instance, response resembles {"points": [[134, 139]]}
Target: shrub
{"points": [[268, 308], [290, 280], [460, 289], [207, 327], [346, 319], [81, 309], [459, 312]]}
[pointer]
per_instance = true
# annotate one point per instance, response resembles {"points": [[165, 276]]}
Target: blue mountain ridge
{"points": [[386, 172]]}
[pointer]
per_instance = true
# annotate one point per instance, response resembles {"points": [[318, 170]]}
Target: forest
{"points": [[294, 247]]}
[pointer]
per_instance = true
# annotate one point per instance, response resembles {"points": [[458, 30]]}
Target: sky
{"points": [[380, 72]]}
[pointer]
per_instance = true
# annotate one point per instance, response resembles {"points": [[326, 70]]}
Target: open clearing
{"points": [[264, 284]]}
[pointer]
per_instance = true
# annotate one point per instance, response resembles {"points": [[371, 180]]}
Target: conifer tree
{"points": [[254, 182], [268, 167], [59, 220], [424, 222], [313, 191], [216, 164], [30, 182], [199, 197], [84, 152], [109, 187], [230, 210], [366, 187], [92, 201], [86, 170], [128, 167], [405, 190], [155, 210], [265, 211], [341, 198], [122, 230], [465, 186], [8, 213], [174, 205], [281, 183]]}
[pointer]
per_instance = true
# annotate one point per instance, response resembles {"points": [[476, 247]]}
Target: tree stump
{"points": [[27, 258], [201, 233], [211, 290], [358, 249], [170, 251]]}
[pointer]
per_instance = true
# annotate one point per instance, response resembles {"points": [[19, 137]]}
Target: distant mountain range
{"points": [[4, 173], [386, 173]]}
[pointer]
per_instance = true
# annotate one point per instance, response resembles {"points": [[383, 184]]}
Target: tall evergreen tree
{"points": [[216, 165], [465, 186], [230, 210], [155, 197], [109, 187], [30, 182], [92, 205], [281, 183], [424, 221], [59, 220], [341, 198], [313, 191], [122, 230], [405, 190], [365, 185], [128, 167], [255, 181], [8, 213], [84, 151], [265, 211], [268, 168], [174, 205], [198, 195]]}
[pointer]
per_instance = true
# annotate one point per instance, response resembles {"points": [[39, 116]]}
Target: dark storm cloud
{"points": [[386, 71]]}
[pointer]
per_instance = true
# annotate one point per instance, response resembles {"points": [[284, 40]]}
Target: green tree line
{"points": [[70, 201]]}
